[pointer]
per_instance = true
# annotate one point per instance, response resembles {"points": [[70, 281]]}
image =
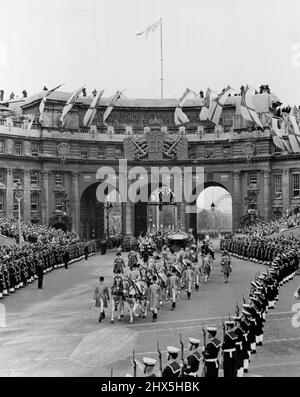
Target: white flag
{"points": [[43, 102], [247, 108], [70, 103], [150, 28], [216, 106], [179, 116], [92, 110], [31, 118], [206, 105], [111, 106]]}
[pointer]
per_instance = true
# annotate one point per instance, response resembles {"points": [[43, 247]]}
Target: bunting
{"points": [[247, 108], [110, 107], [179, 116], [43, 102], [70, 103], [216, 106], [92, 110], [206, 105]]}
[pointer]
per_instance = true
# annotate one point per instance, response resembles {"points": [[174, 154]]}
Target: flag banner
{"points": [[31, 118], [247, 108], [151, 28], [206, 105], [275, 128], [111, 106], [278, 142], [70, 103], [179, 116], [216, 106], [43, 102], [92, 110], [294, 124]]}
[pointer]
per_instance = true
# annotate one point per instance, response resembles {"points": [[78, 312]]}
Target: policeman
{"points": [[173, 369], [191, 366], [149, 367], [211, 353], [229, 350]]}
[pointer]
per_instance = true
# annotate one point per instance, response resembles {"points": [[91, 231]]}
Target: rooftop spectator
{"points": [[12, 96]]}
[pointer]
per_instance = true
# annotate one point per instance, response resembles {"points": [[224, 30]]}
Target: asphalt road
{"points": [[55, 331]]}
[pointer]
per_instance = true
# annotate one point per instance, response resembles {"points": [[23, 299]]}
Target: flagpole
{"points": [[161, 63]]}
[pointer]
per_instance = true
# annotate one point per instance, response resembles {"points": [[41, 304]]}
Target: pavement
{"points": [[55, 331]]}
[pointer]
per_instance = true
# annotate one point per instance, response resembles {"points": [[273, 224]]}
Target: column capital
{"points": [[236, 174], [75, 174], [45, 174], [266, 173]]}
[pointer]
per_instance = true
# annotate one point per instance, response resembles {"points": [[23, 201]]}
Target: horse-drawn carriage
{"points": [[177, 240]]}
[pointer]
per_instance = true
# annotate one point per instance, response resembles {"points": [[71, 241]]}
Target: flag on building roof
{"points": [[247, 108], [70, 103], [111, 105], [30, 120], [217, 104], [92, 110], [151, 28], [206, 105], [179, 116], [43, 101], [278, 136]]}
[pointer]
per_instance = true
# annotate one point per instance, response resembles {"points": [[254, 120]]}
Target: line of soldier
{"points": [[21, 266], [241, 333]]}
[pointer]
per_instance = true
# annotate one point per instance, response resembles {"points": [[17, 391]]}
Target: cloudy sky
{"points": [[206, 42]]}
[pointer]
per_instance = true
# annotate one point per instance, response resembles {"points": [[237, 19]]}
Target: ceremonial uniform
{"points": [[229, 352], [210, 356], [191, 366], [173, 369]]}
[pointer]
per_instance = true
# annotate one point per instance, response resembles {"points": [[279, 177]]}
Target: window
{"points": [[84, 152], [192, 152], [59, 180], [34, 178], [278, 186], [296, 185], [34, 202], [1, 201], [101, 152], [58, 202], [118, 153], [1, 147], [17, 176], [18, 148], [15, 204], [253, 178], [1, 176], [35, 150]]}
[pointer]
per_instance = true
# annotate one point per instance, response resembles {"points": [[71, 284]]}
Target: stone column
{"points": [[182, 214], [128, 219], [75, 205], [285, 190], [236, 200], [27, 198], [45, 197], [9, 193], [267, 195]]}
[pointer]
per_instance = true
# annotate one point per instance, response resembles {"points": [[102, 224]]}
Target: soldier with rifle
{"points": [[211, 353], [149, 367], [229, 350], [173, 369]]}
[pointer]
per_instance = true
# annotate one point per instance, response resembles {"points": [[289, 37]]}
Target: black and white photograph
{"points": [[149, 191]]}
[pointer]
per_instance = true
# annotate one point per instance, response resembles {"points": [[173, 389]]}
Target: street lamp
{"points": [[19, 196]]}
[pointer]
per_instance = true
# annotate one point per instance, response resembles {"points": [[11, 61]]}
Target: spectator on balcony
{"points": [[12, 96], [24, 93]]}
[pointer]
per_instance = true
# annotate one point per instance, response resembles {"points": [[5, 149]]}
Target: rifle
{"points": [[204, 336], [237, 309], [182, 354], [223, 326], [244, 300], [134, 364], [159, 357]]}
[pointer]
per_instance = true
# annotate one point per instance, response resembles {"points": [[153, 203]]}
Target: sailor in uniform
{"points": [[173, 369], [211, 353], [149, 367], [191, 366], [229, 350]]}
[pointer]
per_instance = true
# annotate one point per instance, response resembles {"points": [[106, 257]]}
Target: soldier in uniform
{"points": [[40, 273], [188, 276], [173, 369], [155, 297], [211, 353], [226, 265], [119, 263], [173, 282], [149, 367], [229, 350], [191, 366]]}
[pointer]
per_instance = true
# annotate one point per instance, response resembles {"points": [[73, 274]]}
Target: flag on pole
{"points": [[179, 116], [110, 107], [92, 110], [247, 108], [277, 136], [216, 106], [70, 103], [43, 102], [31, 118], [206, 105], [151, 28]]}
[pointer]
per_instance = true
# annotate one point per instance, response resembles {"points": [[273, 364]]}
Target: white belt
{"points": [[195, 374], [230, 351], [239, 343], [210, 360]]}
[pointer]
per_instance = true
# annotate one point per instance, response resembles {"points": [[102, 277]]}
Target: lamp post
{"points": [[19, 197], [212, 208], [108, 207]]}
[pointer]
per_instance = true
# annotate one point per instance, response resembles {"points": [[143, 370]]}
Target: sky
{"points": [[205, 43], [217, 195]]}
